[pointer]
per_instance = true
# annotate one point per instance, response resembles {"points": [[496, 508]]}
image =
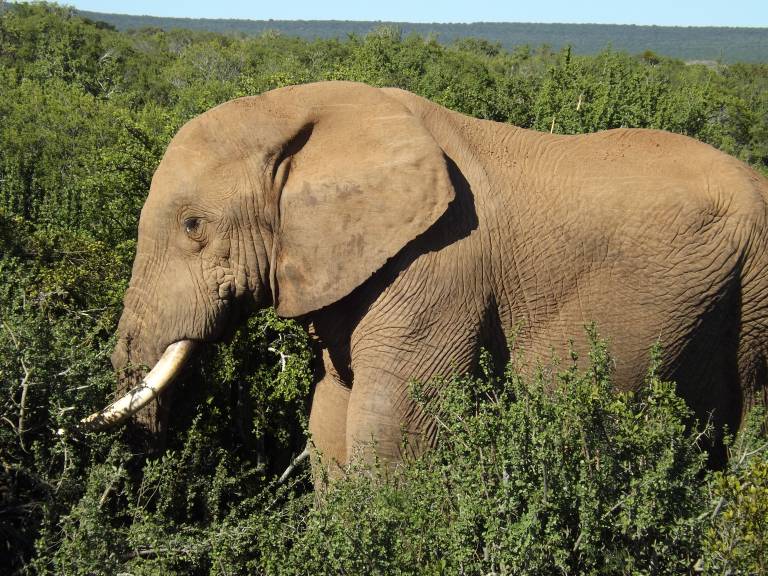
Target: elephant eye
{"points": [[192, 226]]}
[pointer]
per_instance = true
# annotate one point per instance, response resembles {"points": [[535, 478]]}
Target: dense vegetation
{"points": [[577, 481], [686, 43]]}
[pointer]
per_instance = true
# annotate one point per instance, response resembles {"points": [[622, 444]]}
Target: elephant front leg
{"points": [[383, 421], [328, 422]]}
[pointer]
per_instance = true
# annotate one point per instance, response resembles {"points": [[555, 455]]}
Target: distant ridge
{"points": [[686, 43]]}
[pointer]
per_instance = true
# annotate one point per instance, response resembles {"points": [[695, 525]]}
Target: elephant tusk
{"points": [[156, 381]]}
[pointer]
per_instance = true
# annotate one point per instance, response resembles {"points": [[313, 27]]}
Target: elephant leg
{"points": [[372, 423], [328, 422], [753, 339], [383, 420], [375, 425], [753, 372]]}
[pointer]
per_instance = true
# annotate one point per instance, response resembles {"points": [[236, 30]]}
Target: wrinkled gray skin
{"points": [[406, 237]]}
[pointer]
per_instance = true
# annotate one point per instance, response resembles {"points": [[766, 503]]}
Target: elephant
{"points": [[407, 238]]}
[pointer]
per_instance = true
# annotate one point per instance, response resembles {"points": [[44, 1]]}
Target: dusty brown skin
{"points": [[407, 237]]}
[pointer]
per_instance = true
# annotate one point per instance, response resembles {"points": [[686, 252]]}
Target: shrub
{"points": [[736, 541], [545, 473]]}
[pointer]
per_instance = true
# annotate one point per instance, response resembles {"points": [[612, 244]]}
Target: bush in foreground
{"points": [[546, 473], [551, 473]]}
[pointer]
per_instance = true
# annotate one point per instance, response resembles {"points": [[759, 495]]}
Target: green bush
{"points": [[115, 510], [536, 473], [543, 473], [736, 540]]}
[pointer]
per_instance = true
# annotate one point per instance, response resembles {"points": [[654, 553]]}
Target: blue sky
{"points": [[659, 12]]}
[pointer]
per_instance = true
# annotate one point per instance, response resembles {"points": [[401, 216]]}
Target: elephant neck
{"points": [[516, 203], [511, 176]]}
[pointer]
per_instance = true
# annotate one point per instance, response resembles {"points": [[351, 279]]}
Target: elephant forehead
{"points": [[188, 173], [208, 142]]}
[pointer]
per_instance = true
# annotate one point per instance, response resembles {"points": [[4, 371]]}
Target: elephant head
{"points": [[292, 198]]}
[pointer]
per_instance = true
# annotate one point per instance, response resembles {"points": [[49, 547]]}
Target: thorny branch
{"points": [[24, 388], [283, 357], [292, 466], [111, 486]]}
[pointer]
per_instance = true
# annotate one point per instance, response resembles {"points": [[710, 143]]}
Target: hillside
{"points": [[691, 43]]}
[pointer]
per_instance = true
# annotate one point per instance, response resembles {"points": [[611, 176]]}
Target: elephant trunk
{"points": [[158, 379]]}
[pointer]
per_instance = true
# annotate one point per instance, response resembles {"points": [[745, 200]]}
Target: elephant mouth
{"points": [[159, 378]]}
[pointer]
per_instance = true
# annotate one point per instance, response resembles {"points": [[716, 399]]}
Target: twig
{"points": [[15, 342], [22, 404], [717, 507], [24, 388], [143, 553], [578, 540], [64, 466], [283, 357], [704, 431], [11, 424], [110, 486], [292, 466], [751, 453]]}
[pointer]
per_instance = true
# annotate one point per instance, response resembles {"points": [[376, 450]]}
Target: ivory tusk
{"points": [[156, 381]]}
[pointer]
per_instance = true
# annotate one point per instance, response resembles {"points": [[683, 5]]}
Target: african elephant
{"points": [[407, 237]]}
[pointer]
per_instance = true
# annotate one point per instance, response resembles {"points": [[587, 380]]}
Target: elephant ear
{"points": [[364, 178]]}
